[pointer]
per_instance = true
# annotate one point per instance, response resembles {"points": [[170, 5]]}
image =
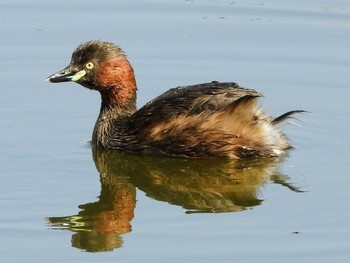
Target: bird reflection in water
{"points": [[199, 186]]}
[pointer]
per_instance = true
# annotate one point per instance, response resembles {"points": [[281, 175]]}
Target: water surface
{"points": [[61, 202]]}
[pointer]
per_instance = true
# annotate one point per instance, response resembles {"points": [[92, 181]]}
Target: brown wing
{"points": [[203, 99], [211, 119]]}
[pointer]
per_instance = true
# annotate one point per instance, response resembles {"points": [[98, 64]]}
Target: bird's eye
{"points": [[89, 65]]}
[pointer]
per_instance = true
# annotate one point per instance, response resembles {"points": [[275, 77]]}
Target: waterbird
{"points": [[208, 120]]}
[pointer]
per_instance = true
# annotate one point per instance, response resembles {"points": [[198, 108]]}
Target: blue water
{"points": [[59, 203]]}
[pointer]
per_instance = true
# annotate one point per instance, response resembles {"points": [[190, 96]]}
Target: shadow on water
{"points": [[199, 186]]}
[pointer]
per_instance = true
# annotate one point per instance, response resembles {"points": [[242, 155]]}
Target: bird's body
{"points": [[209, 120]]}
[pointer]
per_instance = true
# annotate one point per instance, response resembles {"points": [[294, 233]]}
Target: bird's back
{"points": [[205, 120]]}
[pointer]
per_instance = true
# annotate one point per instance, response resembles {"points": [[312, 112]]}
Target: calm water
{"points": [[60, 202]]}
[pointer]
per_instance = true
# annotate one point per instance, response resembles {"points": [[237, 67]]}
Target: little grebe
{"points": [[210, 120]]}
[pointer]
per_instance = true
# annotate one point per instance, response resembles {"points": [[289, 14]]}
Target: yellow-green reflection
{"points": [[197, 185]]}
